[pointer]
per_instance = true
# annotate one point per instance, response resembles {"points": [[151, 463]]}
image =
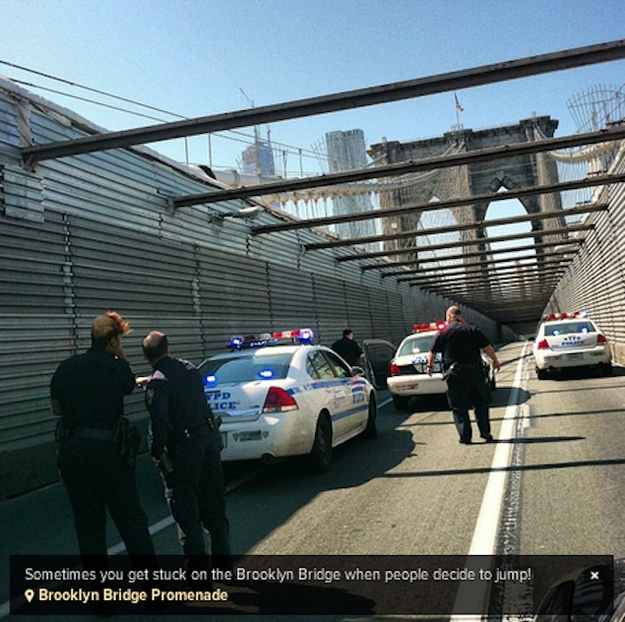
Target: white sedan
{"points": [[408, 370], [287, 400], [570, 340]]}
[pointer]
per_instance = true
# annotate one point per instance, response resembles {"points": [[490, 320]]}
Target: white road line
{"points": [[487, 527]]}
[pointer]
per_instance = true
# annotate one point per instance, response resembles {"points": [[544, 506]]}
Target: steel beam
{"points": [[399, 168], [436, 247], [477, 254], [528, 276], [486, 264], [479, 224], [440, 83]]}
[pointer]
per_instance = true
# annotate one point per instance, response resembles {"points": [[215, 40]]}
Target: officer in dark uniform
{"points": [[461, 345], [348, 349], [87, 391], [186, 445]]}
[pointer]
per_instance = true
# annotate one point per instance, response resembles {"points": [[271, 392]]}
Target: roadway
{"points": [[557, 472]]}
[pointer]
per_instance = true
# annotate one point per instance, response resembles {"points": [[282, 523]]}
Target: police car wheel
{"points": [[321, 453], [541, 373], [371, 431]]}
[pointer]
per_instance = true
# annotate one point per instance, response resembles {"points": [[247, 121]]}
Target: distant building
{"points": [[257, 158], [346, 151]]}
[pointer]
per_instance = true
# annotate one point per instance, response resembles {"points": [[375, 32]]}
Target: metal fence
{"points": [[86, 234]]}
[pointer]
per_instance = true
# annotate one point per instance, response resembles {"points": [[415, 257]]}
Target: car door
{"points": [[350, 395], [378, 356]]}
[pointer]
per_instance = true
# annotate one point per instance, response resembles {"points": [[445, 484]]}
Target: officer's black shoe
{"points": [[462, 442], [490, 439]]}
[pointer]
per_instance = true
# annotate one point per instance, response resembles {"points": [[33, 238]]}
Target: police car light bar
{"points": [[423, 328], [302, 335], [566, 316], [238, 342]]}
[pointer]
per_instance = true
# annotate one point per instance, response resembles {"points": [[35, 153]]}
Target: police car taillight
{"points": [[394, 369], [278, 400], [543, 345], [601, 339]]}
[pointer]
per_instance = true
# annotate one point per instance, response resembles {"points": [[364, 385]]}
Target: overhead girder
{"points": [[496, 279], [473, 285], [460, 227], [483, 253], [399, 168], [396, 91], [435, 247], [480, 266]]}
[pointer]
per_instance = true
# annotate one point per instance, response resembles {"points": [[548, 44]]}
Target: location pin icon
{"points": [[29, 595]]}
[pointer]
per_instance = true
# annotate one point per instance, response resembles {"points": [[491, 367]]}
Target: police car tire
{"points": [[371, 431], [541, 373], [321, 453]]}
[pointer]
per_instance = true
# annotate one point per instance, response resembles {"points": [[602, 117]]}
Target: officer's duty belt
{"points": [[103, 435]]}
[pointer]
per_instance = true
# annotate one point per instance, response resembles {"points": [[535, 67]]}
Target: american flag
{"points": [[458, 106]]}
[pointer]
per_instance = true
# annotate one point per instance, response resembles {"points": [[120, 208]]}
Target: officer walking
{"points": [[87, 392], [186, 445], [461, 344], [348, 349]]}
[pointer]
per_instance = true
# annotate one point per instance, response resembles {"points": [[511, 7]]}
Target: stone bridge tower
{"points": [[474, 179]]}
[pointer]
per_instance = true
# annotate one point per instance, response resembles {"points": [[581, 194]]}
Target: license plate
{"points": [[575, 357], [409, 387]]}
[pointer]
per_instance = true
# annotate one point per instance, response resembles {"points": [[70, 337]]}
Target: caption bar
{"points": [[297, 585]]}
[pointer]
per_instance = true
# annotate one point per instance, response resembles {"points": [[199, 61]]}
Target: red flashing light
{"points": [[278, 400], [427, 327], [543, 345]]}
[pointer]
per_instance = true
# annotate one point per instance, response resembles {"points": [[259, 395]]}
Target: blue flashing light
{"points": [[210, 380], [236, 342]]}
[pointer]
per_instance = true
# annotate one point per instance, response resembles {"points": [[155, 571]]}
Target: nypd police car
{"points": [[566, 340], [408, 369], [279, 395]]}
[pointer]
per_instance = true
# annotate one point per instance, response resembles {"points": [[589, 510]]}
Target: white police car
{"points": [[279, 400], [408, 370], [566, 340]]}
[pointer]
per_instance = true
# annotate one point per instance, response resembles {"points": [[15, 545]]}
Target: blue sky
{"points": [[195, 57]]}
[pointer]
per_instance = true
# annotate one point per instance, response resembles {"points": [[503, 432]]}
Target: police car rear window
{"points": [[247, 368], [418, 345], [568, 328]]}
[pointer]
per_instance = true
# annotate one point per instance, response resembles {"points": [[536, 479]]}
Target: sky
{"points": [[201, 57]]}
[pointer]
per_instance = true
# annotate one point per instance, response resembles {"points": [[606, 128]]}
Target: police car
{"points": [[566, 340], [408, 369], [279, 395]]}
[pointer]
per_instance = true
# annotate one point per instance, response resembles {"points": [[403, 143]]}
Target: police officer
{"points": [[186, 445], [348, 349], [87, 392], [461, 344]]}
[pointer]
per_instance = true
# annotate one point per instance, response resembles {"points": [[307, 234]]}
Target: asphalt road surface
{"points": [[552, 484]]}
